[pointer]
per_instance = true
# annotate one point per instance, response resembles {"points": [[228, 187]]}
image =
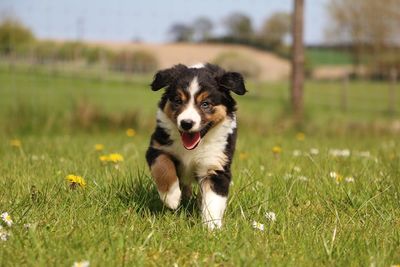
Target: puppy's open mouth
{"points": [[190, 140]]}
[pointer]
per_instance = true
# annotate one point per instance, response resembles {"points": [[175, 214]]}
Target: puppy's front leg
{"points": [[163, 172], [214, 190]]}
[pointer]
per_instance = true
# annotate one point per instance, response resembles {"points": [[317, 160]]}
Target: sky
{"points": [[148, 20]]}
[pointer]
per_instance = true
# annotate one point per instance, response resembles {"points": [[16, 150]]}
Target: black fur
{"points": [[219, 84]]}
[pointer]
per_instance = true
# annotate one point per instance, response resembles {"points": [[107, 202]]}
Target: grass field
{"points": [[322, 219], [318, 57]]}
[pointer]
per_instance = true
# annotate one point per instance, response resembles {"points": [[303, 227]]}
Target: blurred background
{"points": [[68, 66]]}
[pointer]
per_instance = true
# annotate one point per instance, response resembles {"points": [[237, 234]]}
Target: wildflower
{"points": [[300, 136], [243, 155], [113, 158], [349, 179], [314, 151], [75, 180], [27, 226], [130, 132], [302, 178], [15, 143], [339, 152], [98, 147], [4, 235], [296, 153], [271, 216], [297, 169], [81, 264], [258, 226], [6, 218], [338, 178], [276, 150], [262, 168]]}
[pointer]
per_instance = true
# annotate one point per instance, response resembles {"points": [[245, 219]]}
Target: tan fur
{"points": [[168, 111], [163, 172], [201, 97], [218, 115]]}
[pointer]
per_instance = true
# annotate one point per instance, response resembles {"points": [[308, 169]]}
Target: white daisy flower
{"points": [[302, 178], [271, 216], [297, 169], [4, 235], [349, 179], [258, 226], [27, 225], [333, 174], [81, 264], [6, 218], [314, 151], [296, 153]]}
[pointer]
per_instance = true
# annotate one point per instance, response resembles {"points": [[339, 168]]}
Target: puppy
{"points": [[195, 136]]}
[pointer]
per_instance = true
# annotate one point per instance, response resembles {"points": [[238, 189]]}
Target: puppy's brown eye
{"points": [[205, 105]]}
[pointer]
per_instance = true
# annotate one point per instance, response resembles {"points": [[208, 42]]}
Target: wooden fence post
{"points": [[344, 93], [392, 92]]}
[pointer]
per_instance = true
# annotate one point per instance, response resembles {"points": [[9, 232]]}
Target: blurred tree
{"points": [[182, 32], [13, 36], [370, 28], [275, 29], [239, 26], [202, 28], [297, 82]]}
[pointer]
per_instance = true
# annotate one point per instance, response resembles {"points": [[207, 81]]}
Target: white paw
{"points": [[213, 207], [172, 198], [213, 224]]}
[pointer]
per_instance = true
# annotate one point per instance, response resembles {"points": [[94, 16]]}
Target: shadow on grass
{"points": [[140, 194]]}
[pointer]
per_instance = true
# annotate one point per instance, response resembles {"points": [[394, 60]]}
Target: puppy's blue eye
{"points": [[205, 105], [177, 101]]}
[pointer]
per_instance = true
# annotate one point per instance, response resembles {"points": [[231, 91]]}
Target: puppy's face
{"points": [[197, 99]]}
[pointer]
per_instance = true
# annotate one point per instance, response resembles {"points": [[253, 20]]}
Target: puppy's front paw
{"points": [[172, 197], [213, 224]]}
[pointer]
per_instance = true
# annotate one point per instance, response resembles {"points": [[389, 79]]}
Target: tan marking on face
{"points": [[168, 111], [218, 115], [182, 95], [164, 173], [201, 97]]}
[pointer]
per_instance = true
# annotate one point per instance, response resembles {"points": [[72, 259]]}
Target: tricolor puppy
{"points": [[195, 136]]}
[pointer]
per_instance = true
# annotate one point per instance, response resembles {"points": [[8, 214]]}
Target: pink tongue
{"points": [[190, 140]]}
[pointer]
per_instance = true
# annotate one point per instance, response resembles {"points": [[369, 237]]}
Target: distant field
{"points": [[321, 57], [322, 219]]}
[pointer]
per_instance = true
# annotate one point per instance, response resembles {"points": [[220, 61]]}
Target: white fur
{"points": [[191, 113], [208, 156], [197, 66], [212, 207], [172, 198]]}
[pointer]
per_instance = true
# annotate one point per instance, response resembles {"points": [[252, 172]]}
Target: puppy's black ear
{"points": [[234, 82], [164, 78]]}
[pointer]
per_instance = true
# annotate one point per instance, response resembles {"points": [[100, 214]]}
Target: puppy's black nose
{"points": [[187, 124]]}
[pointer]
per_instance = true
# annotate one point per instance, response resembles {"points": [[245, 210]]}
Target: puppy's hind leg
{"points": [[163, 171]]}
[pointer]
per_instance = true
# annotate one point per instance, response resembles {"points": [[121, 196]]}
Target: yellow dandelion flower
{"points": [[75, 180], [98, 147], [300, 136], [243, 155], [130, 132], [15, 143], [276, 150], [113, 158]]}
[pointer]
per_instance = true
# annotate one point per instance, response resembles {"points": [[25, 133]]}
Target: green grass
{"points": [[118, 220], [318, 57]]}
